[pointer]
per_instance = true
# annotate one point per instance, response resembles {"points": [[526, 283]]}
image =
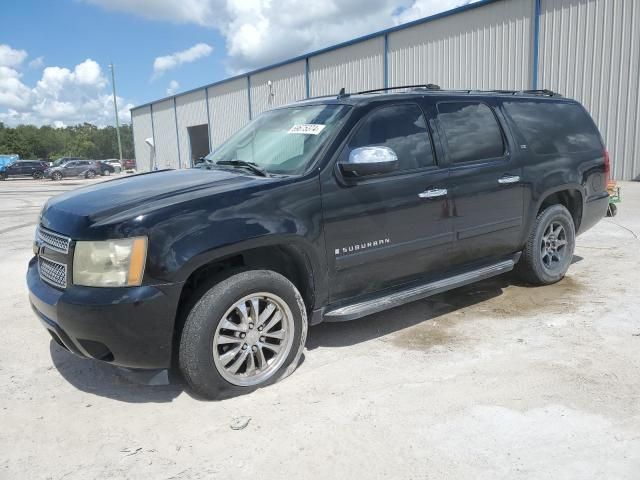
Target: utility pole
{"points": [[115, 107]]}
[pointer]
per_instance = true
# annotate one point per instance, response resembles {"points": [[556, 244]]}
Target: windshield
{"points": [[282, 141]]}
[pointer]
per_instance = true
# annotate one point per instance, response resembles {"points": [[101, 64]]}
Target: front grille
{"points": [[54, 241], [53, 272]]}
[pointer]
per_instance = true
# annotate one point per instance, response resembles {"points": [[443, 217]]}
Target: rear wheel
{"points": [[3, 176], [56, 176], [247, 331], [37, 175], [549, 250]]}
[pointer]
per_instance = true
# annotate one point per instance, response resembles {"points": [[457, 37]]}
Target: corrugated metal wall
{"points": [[590, 50], [486, 48], [288, 84], [191, 110], [228, 108], [166, 142], [356, 67], [141, 123]]}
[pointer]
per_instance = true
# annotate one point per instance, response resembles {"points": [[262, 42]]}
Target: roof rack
{"points": [[428, 86], [433, 87]]}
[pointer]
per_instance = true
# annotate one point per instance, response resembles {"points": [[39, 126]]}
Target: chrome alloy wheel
{"points": [[253, 339], [553, 248]]}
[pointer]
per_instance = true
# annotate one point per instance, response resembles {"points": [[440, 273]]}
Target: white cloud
{"points": [[62, 96], [36, 63], [10, 57], [13, 93], [169, 62], [173, 87], [260, 32]]}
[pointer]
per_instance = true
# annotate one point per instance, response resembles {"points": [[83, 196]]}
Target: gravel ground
{"points": [[493, 381]]}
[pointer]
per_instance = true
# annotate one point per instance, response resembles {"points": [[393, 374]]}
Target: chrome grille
{"points": [[54, 241], [53, 272]]}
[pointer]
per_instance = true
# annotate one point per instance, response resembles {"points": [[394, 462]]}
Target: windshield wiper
{"points": [[241, 163]]}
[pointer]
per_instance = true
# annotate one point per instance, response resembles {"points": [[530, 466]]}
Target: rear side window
{"points": [[471, 131], [403, 129], [554, 127]]}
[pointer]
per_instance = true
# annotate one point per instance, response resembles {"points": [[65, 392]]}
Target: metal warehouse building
{"points": [[584, 49]]}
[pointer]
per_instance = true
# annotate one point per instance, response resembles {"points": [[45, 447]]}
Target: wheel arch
{"points": [[569, 196], [288, 258]]}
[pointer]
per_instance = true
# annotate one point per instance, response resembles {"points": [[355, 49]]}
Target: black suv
{"points": [[329, 209], [24, 168]]}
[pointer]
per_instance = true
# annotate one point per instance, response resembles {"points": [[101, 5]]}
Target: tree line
{"points": [[48, 143]]}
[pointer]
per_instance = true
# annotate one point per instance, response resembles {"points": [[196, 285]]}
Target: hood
{"points": [[80, 208]]}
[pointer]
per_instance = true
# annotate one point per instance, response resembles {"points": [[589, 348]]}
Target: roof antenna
{"points": [[342, 93]]}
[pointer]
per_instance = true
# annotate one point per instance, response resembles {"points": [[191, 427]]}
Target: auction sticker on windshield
{"points": [[307, 128]]}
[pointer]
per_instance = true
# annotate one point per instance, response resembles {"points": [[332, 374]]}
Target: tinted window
{"points": [[471, 131], [554, 127], [403, 129]]}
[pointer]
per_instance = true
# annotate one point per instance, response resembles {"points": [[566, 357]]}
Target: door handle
{"points": [[433, 193], [506, 179]]}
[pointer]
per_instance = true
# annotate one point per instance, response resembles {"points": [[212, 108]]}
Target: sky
{"points": [[55, 54]]}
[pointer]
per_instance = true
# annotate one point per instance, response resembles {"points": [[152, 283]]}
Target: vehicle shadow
{"points": [[105, 380], [344, 334]]}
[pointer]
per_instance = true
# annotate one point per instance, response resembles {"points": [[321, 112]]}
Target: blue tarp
{"points": [[7, 159]]}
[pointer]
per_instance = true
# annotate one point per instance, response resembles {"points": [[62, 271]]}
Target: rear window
{"points": [[554, 127], [471, 131]]}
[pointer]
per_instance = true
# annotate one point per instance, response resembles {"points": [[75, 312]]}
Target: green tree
{"points": [[84, 140]]}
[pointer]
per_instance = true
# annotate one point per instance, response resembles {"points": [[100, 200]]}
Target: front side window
{"points": [[282, 141], [403, 129], [471, 131]]}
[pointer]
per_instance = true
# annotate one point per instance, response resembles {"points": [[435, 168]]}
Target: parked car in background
{"points": [[117, 166], [105, 168], [129, 164], [62, 160], [74, 168], [24, 168]]}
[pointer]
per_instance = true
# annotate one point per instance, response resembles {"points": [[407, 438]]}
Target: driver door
{"points": [[385, 230]]}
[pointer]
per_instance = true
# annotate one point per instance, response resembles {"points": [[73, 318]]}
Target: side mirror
{"points": [[366, 161]]}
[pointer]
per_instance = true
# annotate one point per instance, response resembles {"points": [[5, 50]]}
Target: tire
{"points": [[106, 173], [56, 176], [205, 341], [553, 231], [612, 210], [3, 176], [37, 175], [90, 174]]}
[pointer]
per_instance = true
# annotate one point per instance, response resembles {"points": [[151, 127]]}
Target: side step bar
{"points": [[397, 298]]}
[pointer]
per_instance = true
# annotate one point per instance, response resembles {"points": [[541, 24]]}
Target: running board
{"points": [[375, 305]]}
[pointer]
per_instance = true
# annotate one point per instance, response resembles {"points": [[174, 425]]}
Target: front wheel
{"points": [[90, 174], [549, 250], [247, 331], [106, 173], [56, 176]]}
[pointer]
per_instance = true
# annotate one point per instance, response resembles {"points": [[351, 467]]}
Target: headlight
{"points": [[110, 263]]}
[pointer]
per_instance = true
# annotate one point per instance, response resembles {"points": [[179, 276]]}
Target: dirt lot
{"points": [[496, 380]]}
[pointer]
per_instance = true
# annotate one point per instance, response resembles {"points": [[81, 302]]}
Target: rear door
{"points": [[485, 179], [384, 230]]}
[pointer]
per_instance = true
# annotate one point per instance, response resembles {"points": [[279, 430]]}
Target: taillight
{"points": [[607, 167]]}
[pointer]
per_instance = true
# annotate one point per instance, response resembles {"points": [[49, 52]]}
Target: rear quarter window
{"points": [[554, 127]]}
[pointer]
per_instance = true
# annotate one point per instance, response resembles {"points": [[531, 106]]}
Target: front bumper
{"points": [[131, 327]]}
